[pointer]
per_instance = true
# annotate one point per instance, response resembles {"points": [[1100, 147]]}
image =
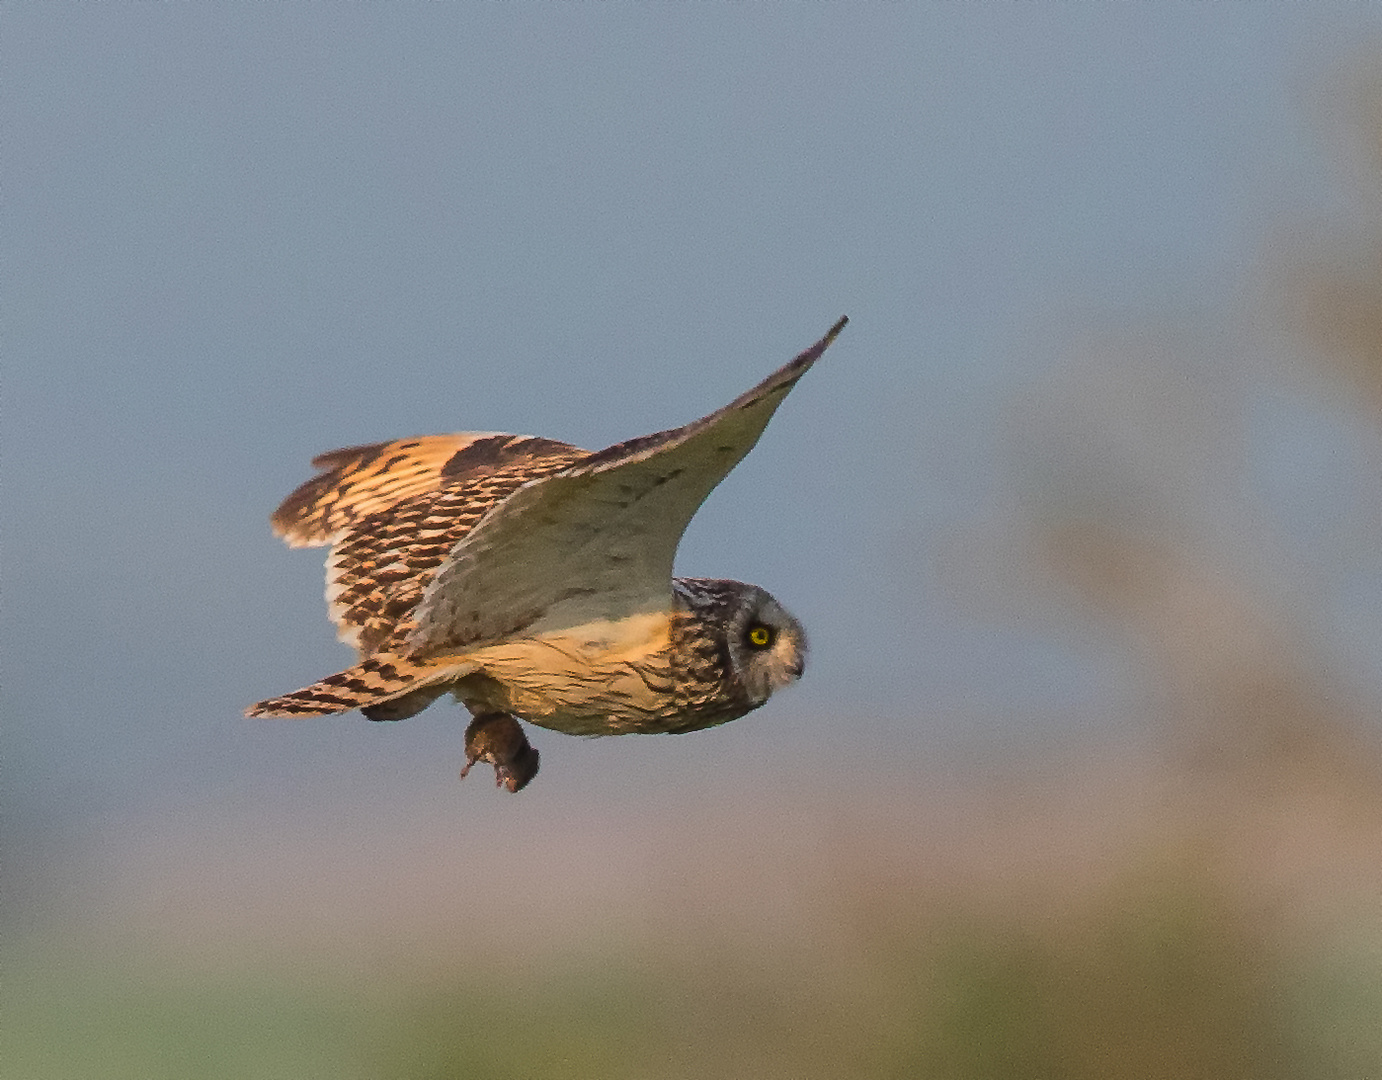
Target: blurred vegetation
{"points": [[1159, 976], [1332, 289]]}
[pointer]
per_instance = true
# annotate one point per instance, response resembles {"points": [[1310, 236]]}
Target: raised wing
{"points": [[380, 564], [594, 541], [362, 480]]}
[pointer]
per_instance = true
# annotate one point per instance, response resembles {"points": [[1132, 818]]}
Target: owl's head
{"points": [[767, 646], [763, 645]]}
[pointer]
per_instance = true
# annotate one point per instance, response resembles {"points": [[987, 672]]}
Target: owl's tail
{"points": [[369, 683]]}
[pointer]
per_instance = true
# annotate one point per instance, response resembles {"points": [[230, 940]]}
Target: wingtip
{"points": [[811, 355]]}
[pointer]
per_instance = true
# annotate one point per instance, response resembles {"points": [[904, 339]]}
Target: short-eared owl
{"points": [[533, 580]]}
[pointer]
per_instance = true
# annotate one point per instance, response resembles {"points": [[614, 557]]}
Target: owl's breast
{"points": [[599, 678]]}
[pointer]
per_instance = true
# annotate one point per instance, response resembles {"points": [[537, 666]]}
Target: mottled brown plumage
{"points": [[358, 481], [376, 572]]}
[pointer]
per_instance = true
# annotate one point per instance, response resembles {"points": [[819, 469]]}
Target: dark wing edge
{"points": [[600, 535], [778, 383]]}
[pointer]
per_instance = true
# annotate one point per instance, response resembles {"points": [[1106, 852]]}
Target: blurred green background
{"points": [[1082, 513]]}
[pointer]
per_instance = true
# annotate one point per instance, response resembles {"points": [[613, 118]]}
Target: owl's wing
{"points": [[594, 541], [362, 480], [381, 561]]}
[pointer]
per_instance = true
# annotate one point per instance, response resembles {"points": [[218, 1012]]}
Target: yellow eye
{"points": [[760, 636]]}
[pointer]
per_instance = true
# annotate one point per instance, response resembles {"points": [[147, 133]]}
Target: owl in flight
{"points": [[533, 581]]}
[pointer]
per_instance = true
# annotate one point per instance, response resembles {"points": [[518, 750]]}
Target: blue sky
{"points": [[237, 236]]}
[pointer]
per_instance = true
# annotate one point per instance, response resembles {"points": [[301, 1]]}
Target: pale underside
{"points": [[603, 678]]}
